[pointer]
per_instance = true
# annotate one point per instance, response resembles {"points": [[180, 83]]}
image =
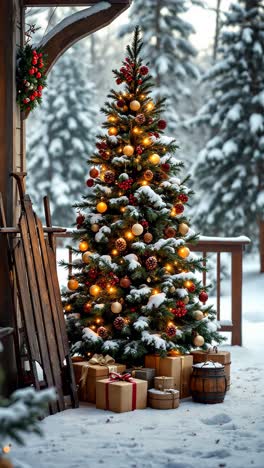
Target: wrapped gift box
{"points": [[121, 396], [169, 399], [178, 367], [215, 355], [144, 373], [163, 383], [87, 374]]}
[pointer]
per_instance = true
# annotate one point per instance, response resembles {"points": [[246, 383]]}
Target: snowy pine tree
{"points": [[230, 169], [167, 48], [63, 139], [134, 288]]}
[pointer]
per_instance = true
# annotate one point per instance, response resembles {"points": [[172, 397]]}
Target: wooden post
{"points": [[11, 156], [237, 273], [261, 245]]}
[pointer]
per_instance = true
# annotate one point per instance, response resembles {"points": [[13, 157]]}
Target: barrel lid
{"points": [[209, 365]]}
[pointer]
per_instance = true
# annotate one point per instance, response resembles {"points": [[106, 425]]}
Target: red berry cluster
{"points": [[133, 200], [165, 167], [126, 71], [145, 224], [183, 198], [179, 208], [139, 149], [126, 184], [93, 273], [102, 145], [180, 309], [143, 70], [113, 280], [155, 134], [80, 219]]}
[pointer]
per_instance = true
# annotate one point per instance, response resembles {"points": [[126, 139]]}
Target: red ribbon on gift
{"points": [[115, 377]]}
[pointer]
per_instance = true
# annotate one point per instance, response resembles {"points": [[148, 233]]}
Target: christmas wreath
{"points": [[31, 78]]}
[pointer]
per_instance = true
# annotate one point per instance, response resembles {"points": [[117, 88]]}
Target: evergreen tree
{"points": [[63, 138], [134, 289], [167, 48], [230, 169]]}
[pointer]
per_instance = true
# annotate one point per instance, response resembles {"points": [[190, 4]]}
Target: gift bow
{"points": [[101, 360], [115, 377]]}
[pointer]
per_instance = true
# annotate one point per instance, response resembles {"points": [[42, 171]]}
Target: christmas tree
{"points": [[230, 168], [134, 289], [65, 132]]}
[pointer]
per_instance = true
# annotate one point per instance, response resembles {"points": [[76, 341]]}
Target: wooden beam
{"points": [[62, 3]]}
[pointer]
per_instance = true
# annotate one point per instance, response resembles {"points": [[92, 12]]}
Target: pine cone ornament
{"points": [[171, 331], [151, 263], [102, 332], [148, 175], [119, 323], [109, 177], [170, 232], [140, 119], [120, 244], [179, 208], [183, 198]]}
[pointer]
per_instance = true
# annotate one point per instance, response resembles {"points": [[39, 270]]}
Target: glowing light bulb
{"points": [[114, 252], [136, 130], [173, 213], [6, 449], [168, 267], [123, 209], [98, 320], [155, 291], [129, 235], [150, 106], [144, 182]]}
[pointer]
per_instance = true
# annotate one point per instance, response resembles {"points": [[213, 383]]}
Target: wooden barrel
{"points": [[208, 383], [216, 355]]}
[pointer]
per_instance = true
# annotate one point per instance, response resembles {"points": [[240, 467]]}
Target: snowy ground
{"points": [[225, 435]]}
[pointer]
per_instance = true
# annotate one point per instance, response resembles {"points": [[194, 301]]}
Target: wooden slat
{"points": [[48, 325], [218, 284], [204, 265], [36, 304], [236, 266], [261, 245], [61, 3]]}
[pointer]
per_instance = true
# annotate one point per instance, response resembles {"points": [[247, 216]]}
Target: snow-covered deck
{"points": [[212, 436]]}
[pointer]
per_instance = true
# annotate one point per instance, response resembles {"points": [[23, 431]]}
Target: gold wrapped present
{"points": [[167, 399], [163, 383], [88, 372], [178, 367], [121, 393]]}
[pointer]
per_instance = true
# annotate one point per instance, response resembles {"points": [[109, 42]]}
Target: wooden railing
{"points": [[219, 245]]}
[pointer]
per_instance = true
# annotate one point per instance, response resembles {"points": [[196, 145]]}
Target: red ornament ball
{"points": [[179, 208], [40, 88], [125, 282], [80, 219], [89, 182], [119, 81], [162, 124], [102, 332], [183, 198], [120, 103], [31, 71], [203, 296], [165, 167], [192, 288], [143, 70], [94, 172], [32, 97], [38, 75], [87, 307], [119, 323], [171, 331]]}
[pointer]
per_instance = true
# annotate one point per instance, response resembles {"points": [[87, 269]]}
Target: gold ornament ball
{"points": [[95, 227], [116, 307], [198, 315], [198, 341], [186, 300], [184, 252], [183, 229], [112, 131], [148, 175], [73, 284], [68, 308], [128, 150], [101, 207], [154, 159], [86, 257], [137, 229], [135, 105], [172, 289], [94, 290], [148, 237], [83, 246]]}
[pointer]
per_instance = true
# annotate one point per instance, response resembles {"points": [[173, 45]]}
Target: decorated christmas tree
{"points": [[135, 289]]}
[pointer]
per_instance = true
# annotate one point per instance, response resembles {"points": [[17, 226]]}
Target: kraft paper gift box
{"points": [[163, 383], [215, 355], [178, 367], [143, 374], [168, 399], [121, 396], [87, 374]]}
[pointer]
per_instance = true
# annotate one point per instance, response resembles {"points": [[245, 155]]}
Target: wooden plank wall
{"points": [[11, 157]]}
